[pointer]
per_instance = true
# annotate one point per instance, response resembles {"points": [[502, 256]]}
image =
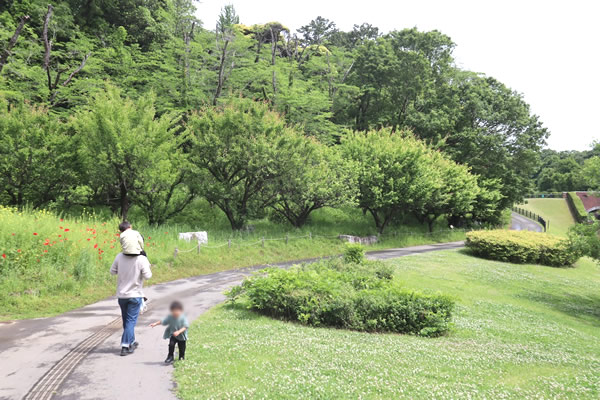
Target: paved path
{"points": [[46, 350], [521, 223]]}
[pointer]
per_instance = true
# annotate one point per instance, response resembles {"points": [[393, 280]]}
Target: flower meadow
{"points": [[43, 256]]}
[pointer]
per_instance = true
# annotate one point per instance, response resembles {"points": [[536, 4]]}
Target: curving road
{"points": [[41, 358], [46, 353], [520, 223]]}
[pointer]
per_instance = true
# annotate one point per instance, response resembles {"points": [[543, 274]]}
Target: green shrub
{"points": [[577, 207], [354, 253], [522, 247], [333, 293]]}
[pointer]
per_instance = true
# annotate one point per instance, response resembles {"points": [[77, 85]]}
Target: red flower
{"points": [[66, 229], [60, 227], [3, 255], [59, 235], [13, 234], [18, 250], [95, 246], [45, 251], [149, 238], [88, 239], [61, 220], [34, 233]]}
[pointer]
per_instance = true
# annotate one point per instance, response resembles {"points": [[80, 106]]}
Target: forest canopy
{"points": [[165, 72]]}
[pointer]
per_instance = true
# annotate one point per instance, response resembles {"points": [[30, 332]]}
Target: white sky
{"points": [[547, 50]]}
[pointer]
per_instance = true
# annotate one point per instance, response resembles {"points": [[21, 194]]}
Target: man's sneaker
{"points": [[169, 360], [125, 351], [134, 345]]}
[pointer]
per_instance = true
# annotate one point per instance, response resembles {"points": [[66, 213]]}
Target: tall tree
{"points": [[240, 151], [130, 150], [38, 158], [225, 34]]}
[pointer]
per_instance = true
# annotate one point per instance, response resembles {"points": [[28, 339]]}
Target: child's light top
{"points": [[131, 242], [174, 324]]}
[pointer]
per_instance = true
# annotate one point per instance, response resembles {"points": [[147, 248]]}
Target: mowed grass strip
{"points": [[555, 210], [521, 332]]}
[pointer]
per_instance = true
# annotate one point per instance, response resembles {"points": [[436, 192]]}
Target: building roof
{"points": [[590, 201]]}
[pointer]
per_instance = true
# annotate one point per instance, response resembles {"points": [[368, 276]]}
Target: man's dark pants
{"points": [[130, 309]]}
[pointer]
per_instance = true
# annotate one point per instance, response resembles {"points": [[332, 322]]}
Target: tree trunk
{"points": [[124, 201], [375, 218], [13, 40], [221, 77]]}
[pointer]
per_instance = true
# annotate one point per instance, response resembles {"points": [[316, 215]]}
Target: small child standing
{"points": [[132, 243], [176, 331]]}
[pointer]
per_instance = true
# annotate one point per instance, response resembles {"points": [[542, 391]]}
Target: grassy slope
{"points": [[555, 210], [521, 331], [41, 278]]}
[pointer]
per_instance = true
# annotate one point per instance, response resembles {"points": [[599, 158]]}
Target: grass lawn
{"points": [[49, 264], [555, 210], [521, 332]]}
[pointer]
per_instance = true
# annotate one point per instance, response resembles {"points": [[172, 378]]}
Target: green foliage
{"points": [[591, 172], [399, 175], [361, 297], [354, 253], [134, 154], [585, 239], [320, 79], [523, 247], [241, 150], [577, 207], [38, 157], [319, 177]]}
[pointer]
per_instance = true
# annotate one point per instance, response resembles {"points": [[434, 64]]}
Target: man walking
{"points": [[131, 273]]}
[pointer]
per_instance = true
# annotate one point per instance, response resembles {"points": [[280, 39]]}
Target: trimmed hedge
{"points": [[522, 247], [577, 207], [362, 297]]}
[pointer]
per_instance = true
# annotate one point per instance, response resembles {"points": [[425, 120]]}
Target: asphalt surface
{"points": [[30, 350], [520, 223]]}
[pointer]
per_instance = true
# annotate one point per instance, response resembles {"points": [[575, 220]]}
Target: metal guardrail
{"points": [[531, 215]]}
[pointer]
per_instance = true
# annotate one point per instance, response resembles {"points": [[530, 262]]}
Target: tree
{"points": [[496, 135], [225, 34], [392, 175], [240, 150], [320, 178], [317, 31], [447, 189], [38, 158], [591, 173], [133, 153]]}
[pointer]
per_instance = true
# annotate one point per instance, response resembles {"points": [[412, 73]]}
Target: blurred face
{"points": [[176, 313]]}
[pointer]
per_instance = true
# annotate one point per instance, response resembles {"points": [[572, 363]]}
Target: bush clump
{"points": [[522, 247], [577, 207], [354, 253], [362, 297]]}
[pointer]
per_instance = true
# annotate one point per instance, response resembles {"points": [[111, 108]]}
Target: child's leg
{"points": [[181, 344], [172, 341]]}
